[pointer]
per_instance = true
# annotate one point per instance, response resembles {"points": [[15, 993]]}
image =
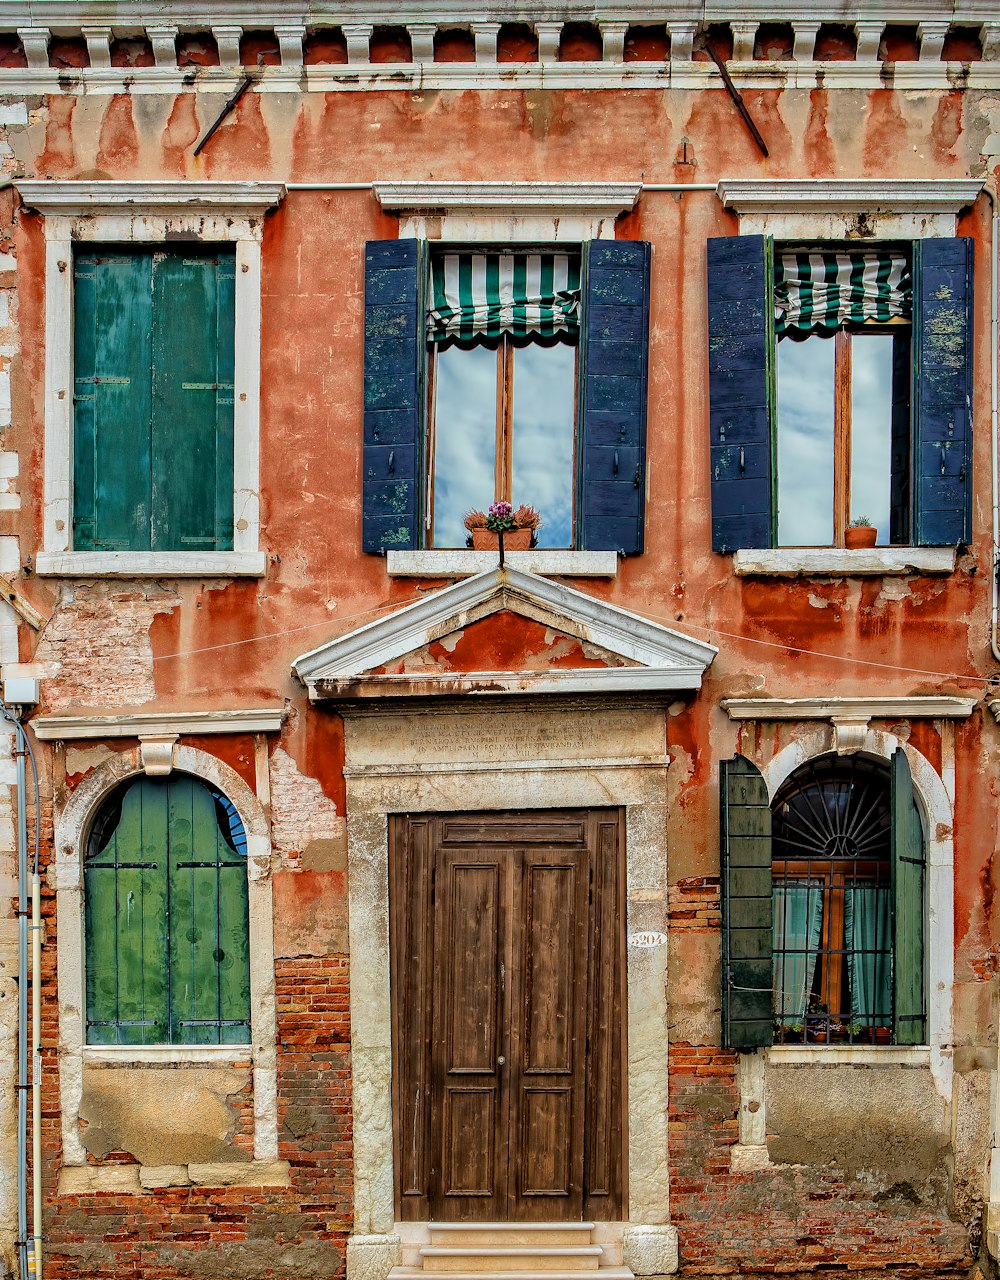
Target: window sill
{"points": [[129, 1054], [465, 564], [839, 562], [850, 1055], [150, 564]]}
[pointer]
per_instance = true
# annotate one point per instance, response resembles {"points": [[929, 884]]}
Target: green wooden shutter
{"points": [[909, 871], [614, 359], [113, 312], [167, 919], [209, 933], [747, 925], [394, 394], [192, 418], [942, 390], [741, 391], [125, 887]]}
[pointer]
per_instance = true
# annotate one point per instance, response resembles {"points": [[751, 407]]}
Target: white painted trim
{"points": [[76, 199], [466, 564], [937, 813], [146, 213], [848, 1055], [72, 728], [508, 212], [149, 564], [915, 708], [595, 621], [839, 562], [214, 1054], [823, 208], [72, 826]]}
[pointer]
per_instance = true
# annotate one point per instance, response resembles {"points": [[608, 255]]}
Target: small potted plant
{"points": [[517, 524], [860, 533]]}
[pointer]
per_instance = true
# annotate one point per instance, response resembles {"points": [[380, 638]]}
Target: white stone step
{"points": [[537, 1256], [474, 1273], [506, 1233]]}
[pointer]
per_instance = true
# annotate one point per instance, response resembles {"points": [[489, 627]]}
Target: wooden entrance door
{"points": [[507, 974]]}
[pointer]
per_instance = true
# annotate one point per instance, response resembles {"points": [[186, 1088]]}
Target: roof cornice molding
{"points": [[661, 658], [77, 199], [854, 196], [65, 728], [131, 14], [943, 707]]}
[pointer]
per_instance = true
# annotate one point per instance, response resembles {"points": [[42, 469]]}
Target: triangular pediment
{"points": [[593, 646]]}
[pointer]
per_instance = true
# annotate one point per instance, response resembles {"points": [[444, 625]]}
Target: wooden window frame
{"points": [[503, 454]]}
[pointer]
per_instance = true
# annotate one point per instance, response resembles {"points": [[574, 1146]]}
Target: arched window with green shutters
{"points": [[167, 917]]}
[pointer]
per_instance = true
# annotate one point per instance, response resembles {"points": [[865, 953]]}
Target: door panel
{"points": [[507, 977], [470, 918]]}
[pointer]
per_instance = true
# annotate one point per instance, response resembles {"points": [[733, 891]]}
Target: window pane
{"points": [[544, 401], [871, 428], [805, 442], [465, 439]]}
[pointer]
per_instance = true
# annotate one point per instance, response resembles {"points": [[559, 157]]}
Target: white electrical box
{"points": [[20, 691]]}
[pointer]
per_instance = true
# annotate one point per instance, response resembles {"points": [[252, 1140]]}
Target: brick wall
{"points": [[790, 1219], [193, 1232]]}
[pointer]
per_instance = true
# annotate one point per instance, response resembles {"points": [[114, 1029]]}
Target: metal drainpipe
{"points": [[994, 443], [22, 1007]]}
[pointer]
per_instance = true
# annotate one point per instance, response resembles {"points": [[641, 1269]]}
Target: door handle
{"points": [[501, 1060]]}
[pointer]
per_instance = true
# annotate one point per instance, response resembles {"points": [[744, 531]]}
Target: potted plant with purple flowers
{"points": [[518, 526]]}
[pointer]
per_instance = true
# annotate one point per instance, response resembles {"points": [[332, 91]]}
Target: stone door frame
{"points": [[539, 753]]}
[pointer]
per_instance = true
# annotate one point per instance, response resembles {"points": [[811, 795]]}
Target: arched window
{"points": [[831, 897], [823, 905], [166, 916]]}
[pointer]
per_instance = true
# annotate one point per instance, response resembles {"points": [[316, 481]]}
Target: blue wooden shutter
{"points": [[192, 432], [394, 366], [614, 345], [942, 390], [747, 923], [741, 391], [113, 317], [908, 894]]}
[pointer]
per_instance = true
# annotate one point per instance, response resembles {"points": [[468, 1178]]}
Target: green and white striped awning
{"points": [[482, 295], [816, 292]]}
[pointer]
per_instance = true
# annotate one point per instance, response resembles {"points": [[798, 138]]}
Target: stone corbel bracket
{"points": [[157, 754]]}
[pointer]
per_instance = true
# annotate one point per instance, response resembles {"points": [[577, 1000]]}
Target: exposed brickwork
{"points": [[694, 903], [296, 1233], [98, 644], [785, 1220]]}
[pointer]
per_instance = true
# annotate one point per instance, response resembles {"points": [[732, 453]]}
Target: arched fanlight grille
{"points": [[832, 909]]}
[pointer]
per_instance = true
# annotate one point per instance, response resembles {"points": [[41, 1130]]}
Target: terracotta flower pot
{"points": [[513, 540], [863, 535]]}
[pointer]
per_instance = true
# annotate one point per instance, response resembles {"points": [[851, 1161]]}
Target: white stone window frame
{"points": [[862, 211], [142, 213], [72, 827], [934, 795], [502, 215]]}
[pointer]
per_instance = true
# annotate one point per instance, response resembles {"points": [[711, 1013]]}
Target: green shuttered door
{"points": [[153, 401], [745, 822], [167, 921]]}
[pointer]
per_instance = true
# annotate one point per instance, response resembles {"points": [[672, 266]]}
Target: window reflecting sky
{"points": [[871, 428], [805, 442], [543, 438], [465, 442]]}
